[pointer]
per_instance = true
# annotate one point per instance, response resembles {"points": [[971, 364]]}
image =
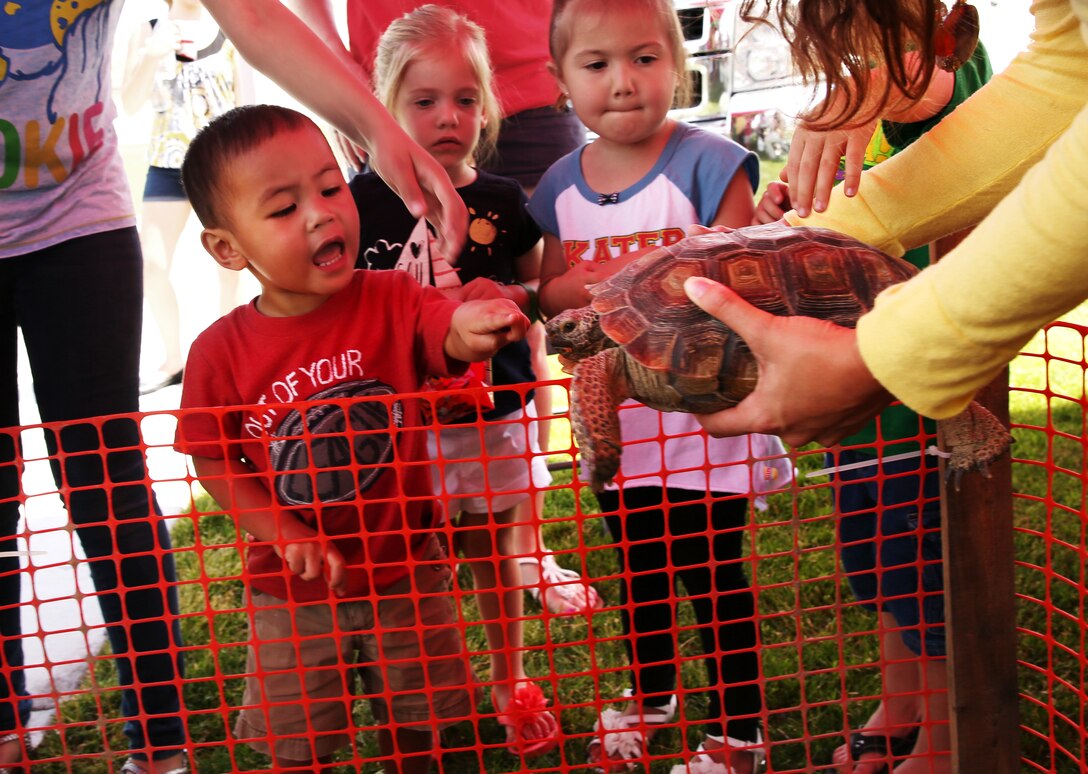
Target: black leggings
{"points": [[654, 550], [79, 305]]}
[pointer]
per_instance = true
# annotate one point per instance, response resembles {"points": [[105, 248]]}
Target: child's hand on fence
{"points": [[481, 328], [774, 204], [309, 557]]}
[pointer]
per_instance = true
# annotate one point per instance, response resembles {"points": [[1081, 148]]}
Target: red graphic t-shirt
{"points": [[355, 465]]}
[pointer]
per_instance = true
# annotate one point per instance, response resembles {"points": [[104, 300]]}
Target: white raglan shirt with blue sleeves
{"points": [[684, 187]]}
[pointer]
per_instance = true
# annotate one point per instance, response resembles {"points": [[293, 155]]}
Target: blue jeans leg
{"points": [[890, 545]]}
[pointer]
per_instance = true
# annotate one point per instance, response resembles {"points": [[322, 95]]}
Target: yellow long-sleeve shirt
{"points": [[1015, 157]]}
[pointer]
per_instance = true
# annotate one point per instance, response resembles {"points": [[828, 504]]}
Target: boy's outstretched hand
{"points": [[481, 328], [479, 289]]}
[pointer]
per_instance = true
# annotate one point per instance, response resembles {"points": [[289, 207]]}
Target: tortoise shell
{"points": [[783, 270]]}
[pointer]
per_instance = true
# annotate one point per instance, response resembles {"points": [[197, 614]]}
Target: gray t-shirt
{"points": [[61, 176]]}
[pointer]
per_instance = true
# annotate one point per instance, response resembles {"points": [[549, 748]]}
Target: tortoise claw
{"points": [[602, 463], [954, 472], [975, 439]]}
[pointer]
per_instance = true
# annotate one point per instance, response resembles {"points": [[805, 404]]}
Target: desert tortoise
{"points": [[641, 337]]}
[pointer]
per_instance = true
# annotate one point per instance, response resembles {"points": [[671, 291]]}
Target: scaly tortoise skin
{"points": [[642, 338]]}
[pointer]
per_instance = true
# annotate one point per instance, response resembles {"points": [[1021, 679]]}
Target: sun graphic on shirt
{"points": [[482, 230]]}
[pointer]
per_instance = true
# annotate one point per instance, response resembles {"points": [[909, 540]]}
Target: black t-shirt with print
{"points": [[500, 231]]}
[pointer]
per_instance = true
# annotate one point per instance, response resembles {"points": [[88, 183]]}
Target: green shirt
{"points": [[899, 422]]}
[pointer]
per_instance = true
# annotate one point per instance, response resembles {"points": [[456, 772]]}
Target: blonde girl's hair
{"points": [[409, 36], [563, 22]]}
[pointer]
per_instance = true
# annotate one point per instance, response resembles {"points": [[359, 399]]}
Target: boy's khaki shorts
{"points": [[414, 671]]}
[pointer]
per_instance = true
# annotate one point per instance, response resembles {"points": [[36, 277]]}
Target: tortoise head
{"points": [[576, 333]]}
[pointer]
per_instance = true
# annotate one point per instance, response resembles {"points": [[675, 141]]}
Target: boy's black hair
{"points": [[220, 142]]}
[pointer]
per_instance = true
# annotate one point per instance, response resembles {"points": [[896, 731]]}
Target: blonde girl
{"points": [[683, 507], [433, 73]]}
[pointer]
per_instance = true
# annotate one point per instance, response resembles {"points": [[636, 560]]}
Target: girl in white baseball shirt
{"points": [[685, 496]]}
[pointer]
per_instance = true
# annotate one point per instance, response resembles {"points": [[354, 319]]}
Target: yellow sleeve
{"points": [[934, 341]]}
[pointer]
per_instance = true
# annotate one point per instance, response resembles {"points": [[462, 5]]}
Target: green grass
{"points": [[1049, 485], [800, 657]]}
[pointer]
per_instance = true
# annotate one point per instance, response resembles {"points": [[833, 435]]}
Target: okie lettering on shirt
{"points": [[55, 148]]}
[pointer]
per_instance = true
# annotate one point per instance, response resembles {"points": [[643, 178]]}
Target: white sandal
{"points": [[578, 595], [623, 738], [704, 762]]}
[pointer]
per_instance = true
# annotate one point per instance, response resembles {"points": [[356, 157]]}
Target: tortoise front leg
{"points": [[598, 387]]}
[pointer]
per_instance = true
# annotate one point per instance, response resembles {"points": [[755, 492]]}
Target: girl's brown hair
{"points": [[840, 41], [562, 24]]}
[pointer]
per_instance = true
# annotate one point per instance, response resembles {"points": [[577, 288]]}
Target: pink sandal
{"points": [[527, 702]]}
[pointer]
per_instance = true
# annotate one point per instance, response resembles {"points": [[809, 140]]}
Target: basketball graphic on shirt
{"points": [[332, 459]]}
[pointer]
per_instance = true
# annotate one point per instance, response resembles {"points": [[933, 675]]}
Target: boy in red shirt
{"points": [[336, 496]]}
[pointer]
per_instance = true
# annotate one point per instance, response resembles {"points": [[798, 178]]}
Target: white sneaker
{"points": [[703, 762]]}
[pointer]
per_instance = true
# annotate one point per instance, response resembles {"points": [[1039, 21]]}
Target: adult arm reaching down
{"points": [[309, 70]]}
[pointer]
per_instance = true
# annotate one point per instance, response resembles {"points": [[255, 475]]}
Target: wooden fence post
{"points": [[980, 608]]}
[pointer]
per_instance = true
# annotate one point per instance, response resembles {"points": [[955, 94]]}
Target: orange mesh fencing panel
{"points": [[529, 632], [1048, 411]]}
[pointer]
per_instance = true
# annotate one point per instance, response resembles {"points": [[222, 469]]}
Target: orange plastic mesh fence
{"points": [[377, 671]]}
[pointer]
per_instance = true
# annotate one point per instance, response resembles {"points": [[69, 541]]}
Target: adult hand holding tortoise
{"points": [[813, 384], [641, 337]]}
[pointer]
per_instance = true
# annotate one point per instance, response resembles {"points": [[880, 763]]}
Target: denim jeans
{"points": [[79, 305], [890, 545]]}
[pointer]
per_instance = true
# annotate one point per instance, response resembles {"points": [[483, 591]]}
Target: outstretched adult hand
{"points": [[813, 384], [815, 154], [299, 60], [420, 181]]}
